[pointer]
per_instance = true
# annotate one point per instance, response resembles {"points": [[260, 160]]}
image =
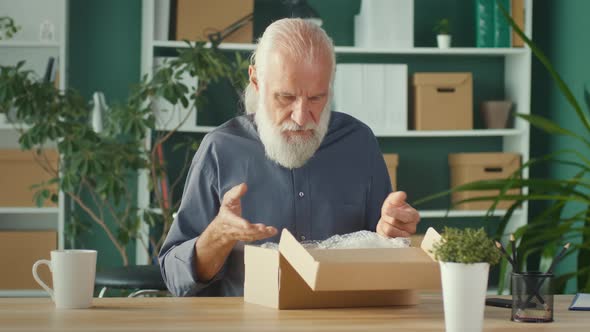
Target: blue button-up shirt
{"points": [[339, 190]]}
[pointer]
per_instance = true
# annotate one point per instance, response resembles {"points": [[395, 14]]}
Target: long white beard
{"points": [[290, 152]]}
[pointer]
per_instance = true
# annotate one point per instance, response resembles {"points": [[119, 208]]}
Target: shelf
{"points": [[223, 46], [23, 293], [28, 210], [409, 133], [432, 51], [454, 133], [28, 44], [12, 126], [362, 50], [460, 213]]}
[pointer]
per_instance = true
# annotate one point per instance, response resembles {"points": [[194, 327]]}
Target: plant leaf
{"points": [[554, 74]]}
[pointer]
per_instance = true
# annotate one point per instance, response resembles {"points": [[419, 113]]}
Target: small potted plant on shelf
{"points": [[442, 28], [7, 27], [465, 257]]}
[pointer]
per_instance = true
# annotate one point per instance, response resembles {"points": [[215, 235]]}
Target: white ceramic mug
{"points": [[73, 274]]}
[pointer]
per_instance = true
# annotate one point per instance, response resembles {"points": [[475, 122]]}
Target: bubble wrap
{"points": [[356, 240]]}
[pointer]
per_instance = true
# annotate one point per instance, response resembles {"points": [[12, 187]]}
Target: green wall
{"points": [[104, 55], [561, 29]]}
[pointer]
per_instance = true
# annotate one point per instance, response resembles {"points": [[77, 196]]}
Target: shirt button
{"points": [[302, 238], [301, 194]]}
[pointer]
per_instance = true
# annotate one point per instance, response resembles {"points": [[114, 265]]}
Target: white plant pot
{"points": [[464, 291], [443, 41]]}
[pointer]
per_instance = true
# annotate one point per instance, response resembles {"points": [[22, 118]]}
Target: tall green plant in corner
{"points": [[99, 165], [543, 235]]}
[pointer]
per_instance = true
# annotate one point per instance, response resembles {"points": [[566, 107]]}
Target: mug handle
{"points": [[38, 280]]}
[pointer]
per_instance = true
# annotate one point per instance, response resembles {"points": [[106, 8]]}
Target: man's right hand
{"points": [[228, 227], [230, 224]]}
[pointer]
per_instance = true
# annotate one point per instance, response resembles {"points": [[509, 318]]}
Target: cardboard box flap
{"points": [[430, 238], [298, 257], [490, 159], [360, 269], [442, 79], [391, 159]]}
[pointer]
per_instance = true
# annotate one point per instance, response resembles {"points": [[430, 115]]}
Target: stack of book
{"points": [[492, 28]]}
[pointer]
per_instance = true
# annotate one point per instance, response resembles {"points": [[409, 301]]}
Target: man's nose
{"points": [[301, 112]]}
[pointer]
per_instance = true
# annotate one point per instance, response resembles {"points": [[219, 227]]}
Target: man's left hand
{"points": [[398, 218]]}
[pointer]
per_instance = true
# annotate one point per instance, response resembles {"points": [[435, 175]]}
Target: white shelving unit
{"points": [[26, 45], [517, 87]]}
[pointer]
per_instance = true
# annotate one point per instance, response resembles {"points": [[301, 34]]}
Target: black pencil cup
{"points": [[532, 297]]}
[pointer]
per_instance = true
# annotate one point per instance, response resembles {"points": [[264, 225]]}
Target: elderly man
{"points": [[289, 163]]}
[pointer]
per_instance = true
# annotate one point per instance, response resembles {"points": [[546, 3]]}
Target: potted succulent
{"points": [[465, 257], [442, 28]]}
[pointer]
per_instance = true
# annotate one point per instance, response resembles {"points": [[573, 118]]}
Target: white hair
{"points": [[302, 40]]}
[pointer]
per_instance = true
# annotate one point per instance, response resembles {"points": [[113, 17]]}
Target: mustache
{"points": [[292, 126]]}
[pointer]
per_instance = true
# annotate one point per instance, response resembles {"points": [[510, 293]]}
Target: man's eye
{"points": [[315, 99], [286, 99]]}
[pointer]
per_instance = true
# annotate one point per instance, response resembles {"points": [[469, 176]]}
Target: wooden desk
{"points": [[232, 314]]}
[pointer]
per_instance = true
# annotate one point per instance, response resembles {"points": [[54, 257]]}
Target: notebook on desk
{"points": [[581, 302]]}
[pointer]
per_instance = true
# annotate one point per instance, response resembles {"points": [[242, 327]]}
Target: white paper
{"points": [[376, 94], [582, 301]]}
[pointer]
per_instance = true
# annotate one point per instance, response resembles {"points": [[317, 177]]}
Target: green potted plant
{"points": [[542, 238], [465, 257], [442, 28], [96, 165], [7, 27]]}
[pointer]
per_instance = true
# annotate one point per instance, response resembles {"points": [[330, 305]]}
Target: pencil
{"points": [[501, 247], [549, 271], [558, 257], [513, 244]]}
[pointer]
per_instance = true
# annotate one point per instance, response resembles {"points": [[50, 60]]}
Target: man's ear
{"points": [[253, 77]]}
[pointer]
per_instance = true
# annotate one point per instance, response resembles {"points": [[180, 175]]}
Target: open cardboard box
{"points": [[295, 277]]}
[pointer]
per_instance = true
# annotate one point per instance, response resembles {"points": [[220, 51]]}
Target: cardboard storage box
{"points": [[18, 251], [470, 167], [18, 172], [295, 278], [443, 101], [391, 161], [195, 19]]}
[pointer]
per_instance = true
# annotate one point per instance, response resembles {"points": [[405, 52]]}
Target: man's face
{"points": [[293, 110]]}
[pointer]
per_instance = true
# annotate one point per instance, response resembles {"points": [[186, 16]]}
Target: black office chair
{"points": [[143, 279]]}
